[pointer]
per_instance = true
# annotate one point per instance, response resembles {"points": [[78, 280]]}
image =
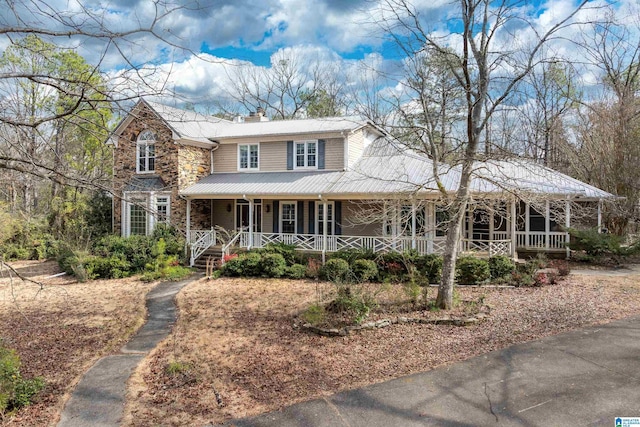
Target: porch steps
{"points": [[214, 252]]}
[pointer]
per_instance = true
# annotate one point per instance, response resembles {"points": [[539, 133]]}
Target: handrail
{"points": [[201, 245], [227, 246]]}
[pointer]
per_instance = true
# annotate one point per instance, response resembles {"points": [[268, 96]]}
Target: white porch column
{"points": [[413, 224], [250, 241], [526, 224], [187, 245], [547, 224], [567, 223], [514, 237], [431, 225], [600, 216], [324, 228]]}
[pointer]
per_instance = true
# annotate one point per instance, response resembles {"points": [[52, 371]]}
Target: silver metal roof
{"points": [[288, 127], [387, 170]]}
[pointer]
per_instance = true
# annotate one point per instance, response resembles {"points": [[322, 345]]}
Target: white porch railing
{"points": [[200, 241], [489, 247], [538, 240]]}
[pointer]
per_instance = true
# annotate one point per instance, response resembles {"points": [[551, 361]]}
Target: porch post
{"points": [[431, 228], [547, 224], [526, 224], [567, 223], [413, 224], [599, 215], [324, 228], [514, 237], [188, 232], [250, 240]]}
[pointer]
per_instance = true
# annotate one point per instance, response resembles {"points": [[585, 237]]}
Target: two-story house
{"points": [[323, 185]]}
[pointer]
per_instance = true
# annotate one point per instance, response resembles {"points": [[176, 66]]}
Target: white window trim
{"points": [[295, 216], [146, 143], [306, 154], [150, 206], [248, 168], [331, 223]]}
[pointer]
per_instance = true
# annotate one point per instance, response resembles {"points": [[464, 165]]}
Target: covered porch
{"points": [[398, 226]]}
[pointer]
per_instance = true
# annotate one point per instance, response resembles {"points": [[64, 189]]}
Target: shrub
{"points": [[314, 266], [430, 266], [296, 271], [245, 265], [594, 243], [562, 266], [288, 252], [336, 270], [114, 267], [351, 255], [355, 304], [15, 391], [364, 270], [273, 265], [315, 314], [472, 271], [519, 278], [501, 266]]}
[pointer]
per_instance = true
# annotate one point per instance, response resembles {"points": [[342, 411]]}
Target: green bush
{"points": [[114, 267], [351, 255], [336, 270], [392, 266], [273, 265], [315, 314], [501, 266], [288, 252], [430, 266], [296, 271], [364, 270], [355, 304], [594, 243], [472, 271], [244, 265], [15, 391]]}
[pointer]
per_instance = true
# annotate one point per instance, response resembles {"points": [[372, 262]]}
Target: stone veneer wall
{"points": [[177, 165]]}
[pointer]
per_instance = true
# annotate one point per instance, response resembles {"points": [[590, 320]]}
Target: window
{"points": [[442, 221], [162, 207], [143, 211], [146, 152], [306, 154], [137, 217], [248, 155], [330, 221], [288, 217]]}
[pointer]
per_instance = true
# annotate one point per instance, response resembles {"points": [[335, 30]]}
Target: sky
{"points": [[199, 43]]}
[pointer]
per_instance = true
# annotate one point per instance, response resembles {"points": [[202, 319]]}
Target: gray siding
{"points": [[220, 216], [355, 144], [352, 227]]}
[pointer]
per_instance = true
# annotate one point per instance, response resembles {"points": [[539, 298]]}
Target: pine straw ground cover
{"points": [[234, 352], [61, 330]]}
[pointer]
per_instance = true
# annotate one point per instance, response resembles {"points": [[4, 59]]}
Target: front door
{"points": [[242, 215]]}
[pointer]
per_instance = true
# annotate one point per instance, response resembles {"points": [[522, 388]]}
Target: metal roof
{"points": [[387, 170], [260, 184]]}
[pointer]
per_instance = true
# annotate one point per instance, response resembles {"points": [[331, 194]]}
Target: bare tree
{"points": [[490, 65]]}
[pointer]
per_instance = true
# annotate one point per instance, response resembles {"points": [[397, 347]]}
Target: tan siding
{"points": [[221, 217], [334, 154], [352, 227], [355, 146], [267, 217], [225, 159], [273, 156]]}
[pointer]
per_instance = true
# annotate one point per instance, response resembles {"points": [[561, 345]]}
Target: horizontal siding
{"points": [[220, 216], [225, 158], [267, 217], [273, 156], [351, 225], [356, 147], [334, 154]]}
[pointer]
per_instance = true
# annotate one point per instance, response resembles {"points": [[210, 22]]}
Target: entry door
{"points": [[242, 216]]}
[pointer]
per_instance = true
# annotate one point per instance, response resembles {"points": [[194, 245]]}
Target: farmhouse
{"points": [[325, 185]]}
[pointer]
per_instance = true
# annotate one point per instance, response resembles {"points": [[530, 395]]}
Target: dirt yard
{"points": [[59, 331], [235, 352]]}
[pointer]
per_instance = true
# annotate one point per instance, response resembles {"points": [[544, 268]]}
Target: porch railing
{"points": [[489, 247], [200, 241], [541, 240]]}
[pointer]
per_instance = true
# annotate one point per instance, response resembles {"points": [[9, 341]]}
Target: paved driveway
{"points": [[587, 377]]}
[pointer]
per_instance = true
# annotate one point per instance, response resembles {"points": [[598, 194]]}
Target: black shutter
{"points": [[312, 219], [338, 217], [289, 155], [321, 145], [276, 216], [300, 218]]}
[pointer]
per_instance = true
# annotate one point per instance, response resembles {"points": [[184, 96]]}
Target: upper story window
{"points": [[146, 152], [248, 155], [306, 154]]}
